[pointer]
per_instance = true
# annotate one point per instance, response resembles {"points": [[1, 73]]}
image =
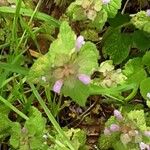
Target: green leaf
{"points": [[134, 71], [146, 59], [15, 135], [141, 21], [91, 35], [36, 123], [141, 40], [117, 46], [138, 117], [99, 21], [112, 8], [119, 20], [78, 92], [76, 12], [87, 59], [145, 88], [40, 68], [5, 126], [65, 42]]}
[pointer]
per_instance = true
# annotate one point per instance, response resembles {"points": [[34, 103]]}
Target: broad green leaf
{"points": [[138, 117], [5, 126], [36, 123], [99, 21], [41, 68], [146, 59], [76, 12], [87, 59], [117, 46], [65, 42], [119, 20], [141, 21], [90, 34], [145, 89], [141, 40], [15, 135], [134, 71], [78, 92], [112, 8]]}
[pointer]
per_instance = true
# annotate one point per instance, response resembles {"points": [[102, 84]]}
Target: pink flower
{"points": [[105, 1], [84, 78], [114, 128], [148, 12], [57, 86], [118, 114], [144, 146], [107, 131], [79, 42], [147, 133]]}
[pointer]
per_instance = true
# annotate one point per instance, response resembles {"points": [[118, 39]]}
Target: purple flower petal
{"points": [[107, 131], [105, 2], [79, 42], [118, 114], [114, 128], [84, 78], [144, 146], [147, 133], [148, 12], [57, 86]]}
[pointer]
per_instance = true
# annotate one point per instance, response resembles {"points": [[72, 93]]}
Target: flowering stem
{"points": [[51, 117]]}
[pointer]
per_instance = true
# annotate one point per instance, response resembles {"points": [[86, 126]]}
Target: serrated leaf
{"points": [[78, 92], [145, 88], [141, 41], [134, 71], [119, 20], [65, 42], [141, 21], [138, 117], [15, 135], [99, 21], [40, 68], [117, 46], [146, 59], [36, 123], [87, 59], [112, 8]]}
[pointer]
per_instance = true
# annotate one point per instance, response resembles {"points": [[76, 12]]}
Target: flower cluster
{"points": [[91, 8], [128, 133], [111, 77], [67, 70]]}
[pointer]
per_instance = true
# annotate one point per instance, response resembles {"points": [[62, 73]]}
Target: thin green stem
{"points": [[30, 21], [13, 108], [51, 117]]}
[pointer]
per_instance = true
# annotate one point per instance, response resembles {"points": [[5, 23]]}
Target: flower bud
{"points": [[57, 86], [144, 146], [148, 12], [107, 131], [125, 138], [114, 128], [79, 42], [118, 114], [84, 78], [105, 2], [148, 95], [147, 133]]}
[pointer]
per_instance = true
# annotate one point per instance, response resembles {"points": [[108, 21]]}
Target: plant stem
{"points": [[51, 118], [13, 108]]}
